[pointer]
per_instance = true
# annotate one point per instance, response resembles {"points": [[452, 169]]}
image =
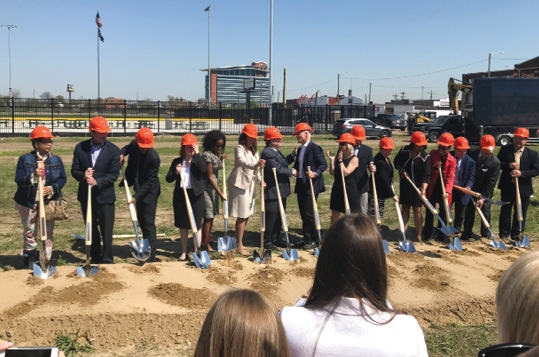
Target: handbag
{"points": [[56, 210]]}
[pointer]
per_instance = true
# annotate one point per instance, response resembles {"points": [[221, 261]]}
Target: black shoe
{"points": [[269, 247], [308, 246], [279, 244]]}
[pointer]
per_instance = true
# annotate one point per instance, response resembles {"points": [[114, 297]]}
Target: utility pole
{"points": [[209, 67], [370, 86], [9, 27], [284, 88], [270, 64], [338, 87]]}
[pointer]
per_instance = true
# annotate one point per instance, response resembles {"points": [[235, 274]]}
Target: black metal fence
{"points": [[18, 116]]}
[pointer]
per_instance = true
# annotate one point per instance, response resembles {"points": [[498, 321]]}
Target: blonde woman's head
{"points": [[242, 323], [517, 301]]}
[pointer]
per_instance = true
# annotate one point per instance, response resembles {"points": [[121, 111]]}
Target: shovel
{"points": [[225, 244], [405, 246], [316, 216], [453, 245], [43, 269], [523, 241], [377, 211], [453, 231], [88, 270], [201, 258], [480, 196], [140, 249], [288, 254], [494, 243], [346, 202], [264, 255]]}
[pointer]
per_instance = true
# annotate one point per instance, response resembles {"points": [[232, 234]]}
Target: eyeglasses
{"points": [[46, 142]]}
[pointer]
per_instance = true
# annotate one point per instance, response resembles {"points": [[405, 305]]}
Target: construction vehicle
{"points": [[420, 117], [500, 105]]}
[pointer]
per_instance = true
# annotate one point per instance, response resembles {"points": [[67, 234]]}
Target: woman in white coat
{"points": [[346, 313], [242, 182]]}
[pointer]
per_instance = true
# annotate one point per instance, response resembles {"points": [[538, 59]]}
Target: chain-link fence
{"points": [[18, 116]]}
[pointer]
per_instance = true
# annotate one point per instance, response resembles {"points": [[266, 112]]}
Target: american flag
{"points": [[98, 20], [100, 35]]}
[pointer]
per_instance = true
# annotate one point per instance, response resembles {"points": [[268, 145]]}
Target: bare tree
{"points": [[45, 95]]}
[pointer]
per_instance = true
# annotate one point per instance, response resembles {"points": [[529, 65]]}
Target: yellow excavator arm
{"points": [[453, 89]]}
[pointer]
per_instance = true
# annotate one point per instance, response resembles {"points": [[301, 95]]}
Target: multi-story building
{"points": [[228, 84]]}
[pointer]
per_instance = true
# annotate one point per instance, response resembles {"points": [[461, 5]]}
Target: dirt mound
{"points": [[179, 295], [221, 277]]}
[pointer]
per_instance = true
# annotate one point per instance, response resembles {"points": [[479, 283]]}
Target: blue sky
{"points": [[155, 49]]}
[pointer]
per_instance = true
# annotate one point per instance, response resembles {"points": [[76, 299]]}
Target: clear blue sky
{"points": [[155, 49]]}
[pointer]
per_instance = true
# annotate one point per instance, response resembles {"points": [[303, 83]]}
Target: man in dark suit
{"points": [[464, 177], [96, 163], [309, 154], [487, 172], [143, 174], [275, 159], [364, 155], [517, 162]]}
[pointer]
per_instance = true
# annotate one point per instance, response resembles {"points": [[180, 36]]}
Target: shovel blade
{"points": [[221, 244], [267, 256], [525, 242], [196, 260], [293, 255], [256, 257], [201, 259], [142, 251], [386, 246], [38, 271], [86, 271], [316, 251], [285, 255], [407, 247], [457, 244]]}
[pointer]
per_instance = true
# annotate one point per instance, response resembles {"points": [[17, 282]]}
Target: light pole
{"points": [[270, 64], [209, 68], [489, 58], [9, 27]]}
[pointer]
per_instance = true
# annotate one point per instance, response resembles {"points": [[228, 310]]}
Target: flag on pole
{"points": [[98, 20], [100, 35]]}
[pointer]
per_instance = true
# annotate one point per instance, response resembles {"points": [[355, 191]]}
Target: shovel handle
{"points": [[88, 238], [262, 202], [281, 208], [446, 201], [132, 210], [426, 202], [482, 216], [518, 201], [315, 206], [399, 213], [346, 203], [225, 201], [375, 195], [42, 215], [190, 213]]}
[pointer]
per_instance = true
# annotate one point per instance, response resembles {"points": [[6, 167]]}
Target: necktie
{"points": [[518, 155]]}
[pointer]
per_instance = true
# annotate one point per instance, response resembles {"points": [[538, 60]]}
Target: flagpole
{"points": [[98, 72]]}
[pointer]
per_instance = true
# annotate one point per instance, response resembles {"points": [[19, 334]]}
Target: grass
{"points": [[459, 340], [71, 345]]}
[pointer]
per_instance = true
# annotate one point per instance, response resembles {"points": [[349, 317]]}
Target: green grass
{"points": [[71, 344], [459, 340]]}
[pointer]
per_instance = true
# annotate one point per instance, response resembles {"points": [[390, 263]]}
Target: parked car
{"points": [[438, 121], [345, 125], [391, 120], [452, 123]]}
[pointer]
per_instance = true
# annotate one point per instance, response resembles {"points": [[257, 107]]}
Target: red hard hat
{"points": [[250, 130], [522, 133], [100, 125], [419, 138], [386, 143], [359, 132], [188, 140], [41, 132], [487, 142], [301, 127], [272, 133], [446, 139], [347, 138], [144, 138], [461, 143]]}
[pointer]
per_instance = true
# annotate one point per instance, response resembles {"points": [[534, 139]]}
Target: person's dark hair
{"points": [[268, 143], [242, 322], [211, 138], [352, 264], [182, 151], [34, 142], [242, 140]]}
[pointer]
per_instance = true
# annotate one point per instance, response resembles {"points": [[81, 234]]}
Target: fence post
{"points": [[158, 114], [89, 111], [12, 115], [52, 114], [220, 116], [125, 116]]}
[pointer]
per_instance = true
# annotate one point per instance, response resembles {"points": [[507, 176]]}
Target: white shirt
{"points": [[301, 155], [348, 333], [186, 175], [95, 151]]}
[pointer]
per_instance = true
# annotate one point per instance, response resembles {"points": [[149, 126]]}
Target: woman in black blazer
{"points": [[193, 169], [383, 177]]}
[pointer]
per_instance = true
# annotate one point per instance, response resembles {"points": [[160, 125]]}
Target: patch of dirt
{"points": [[34, 281], [221, 277], [497, 275], [303, 272], [431, 278], [178, 295], [145, 269], [266, 281]]}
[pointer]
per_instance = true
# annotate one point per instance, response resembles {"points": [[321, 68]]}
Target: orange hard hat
{"points": [[347, 138], [461, 143], [144, 138], [446, 139], [250, 130], [487, 142], [358, 132], [188, 140], [419, 139], [41, 132], [100, 125], [272, 133], [387, 143], [302, 127], [522, 133]]}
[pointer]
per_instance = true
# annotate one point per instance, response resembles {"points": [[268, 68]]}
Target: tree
{"points": [[45, 95], [15, 93], [60, 98]]}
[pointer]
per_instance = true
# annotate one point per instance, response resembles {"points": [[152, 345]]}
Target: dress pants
{"points": [[460, 209], [436, 198], [470, 218], [273, 222], [305, 206], [146, 218], [506, 227], [102, 226]]}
